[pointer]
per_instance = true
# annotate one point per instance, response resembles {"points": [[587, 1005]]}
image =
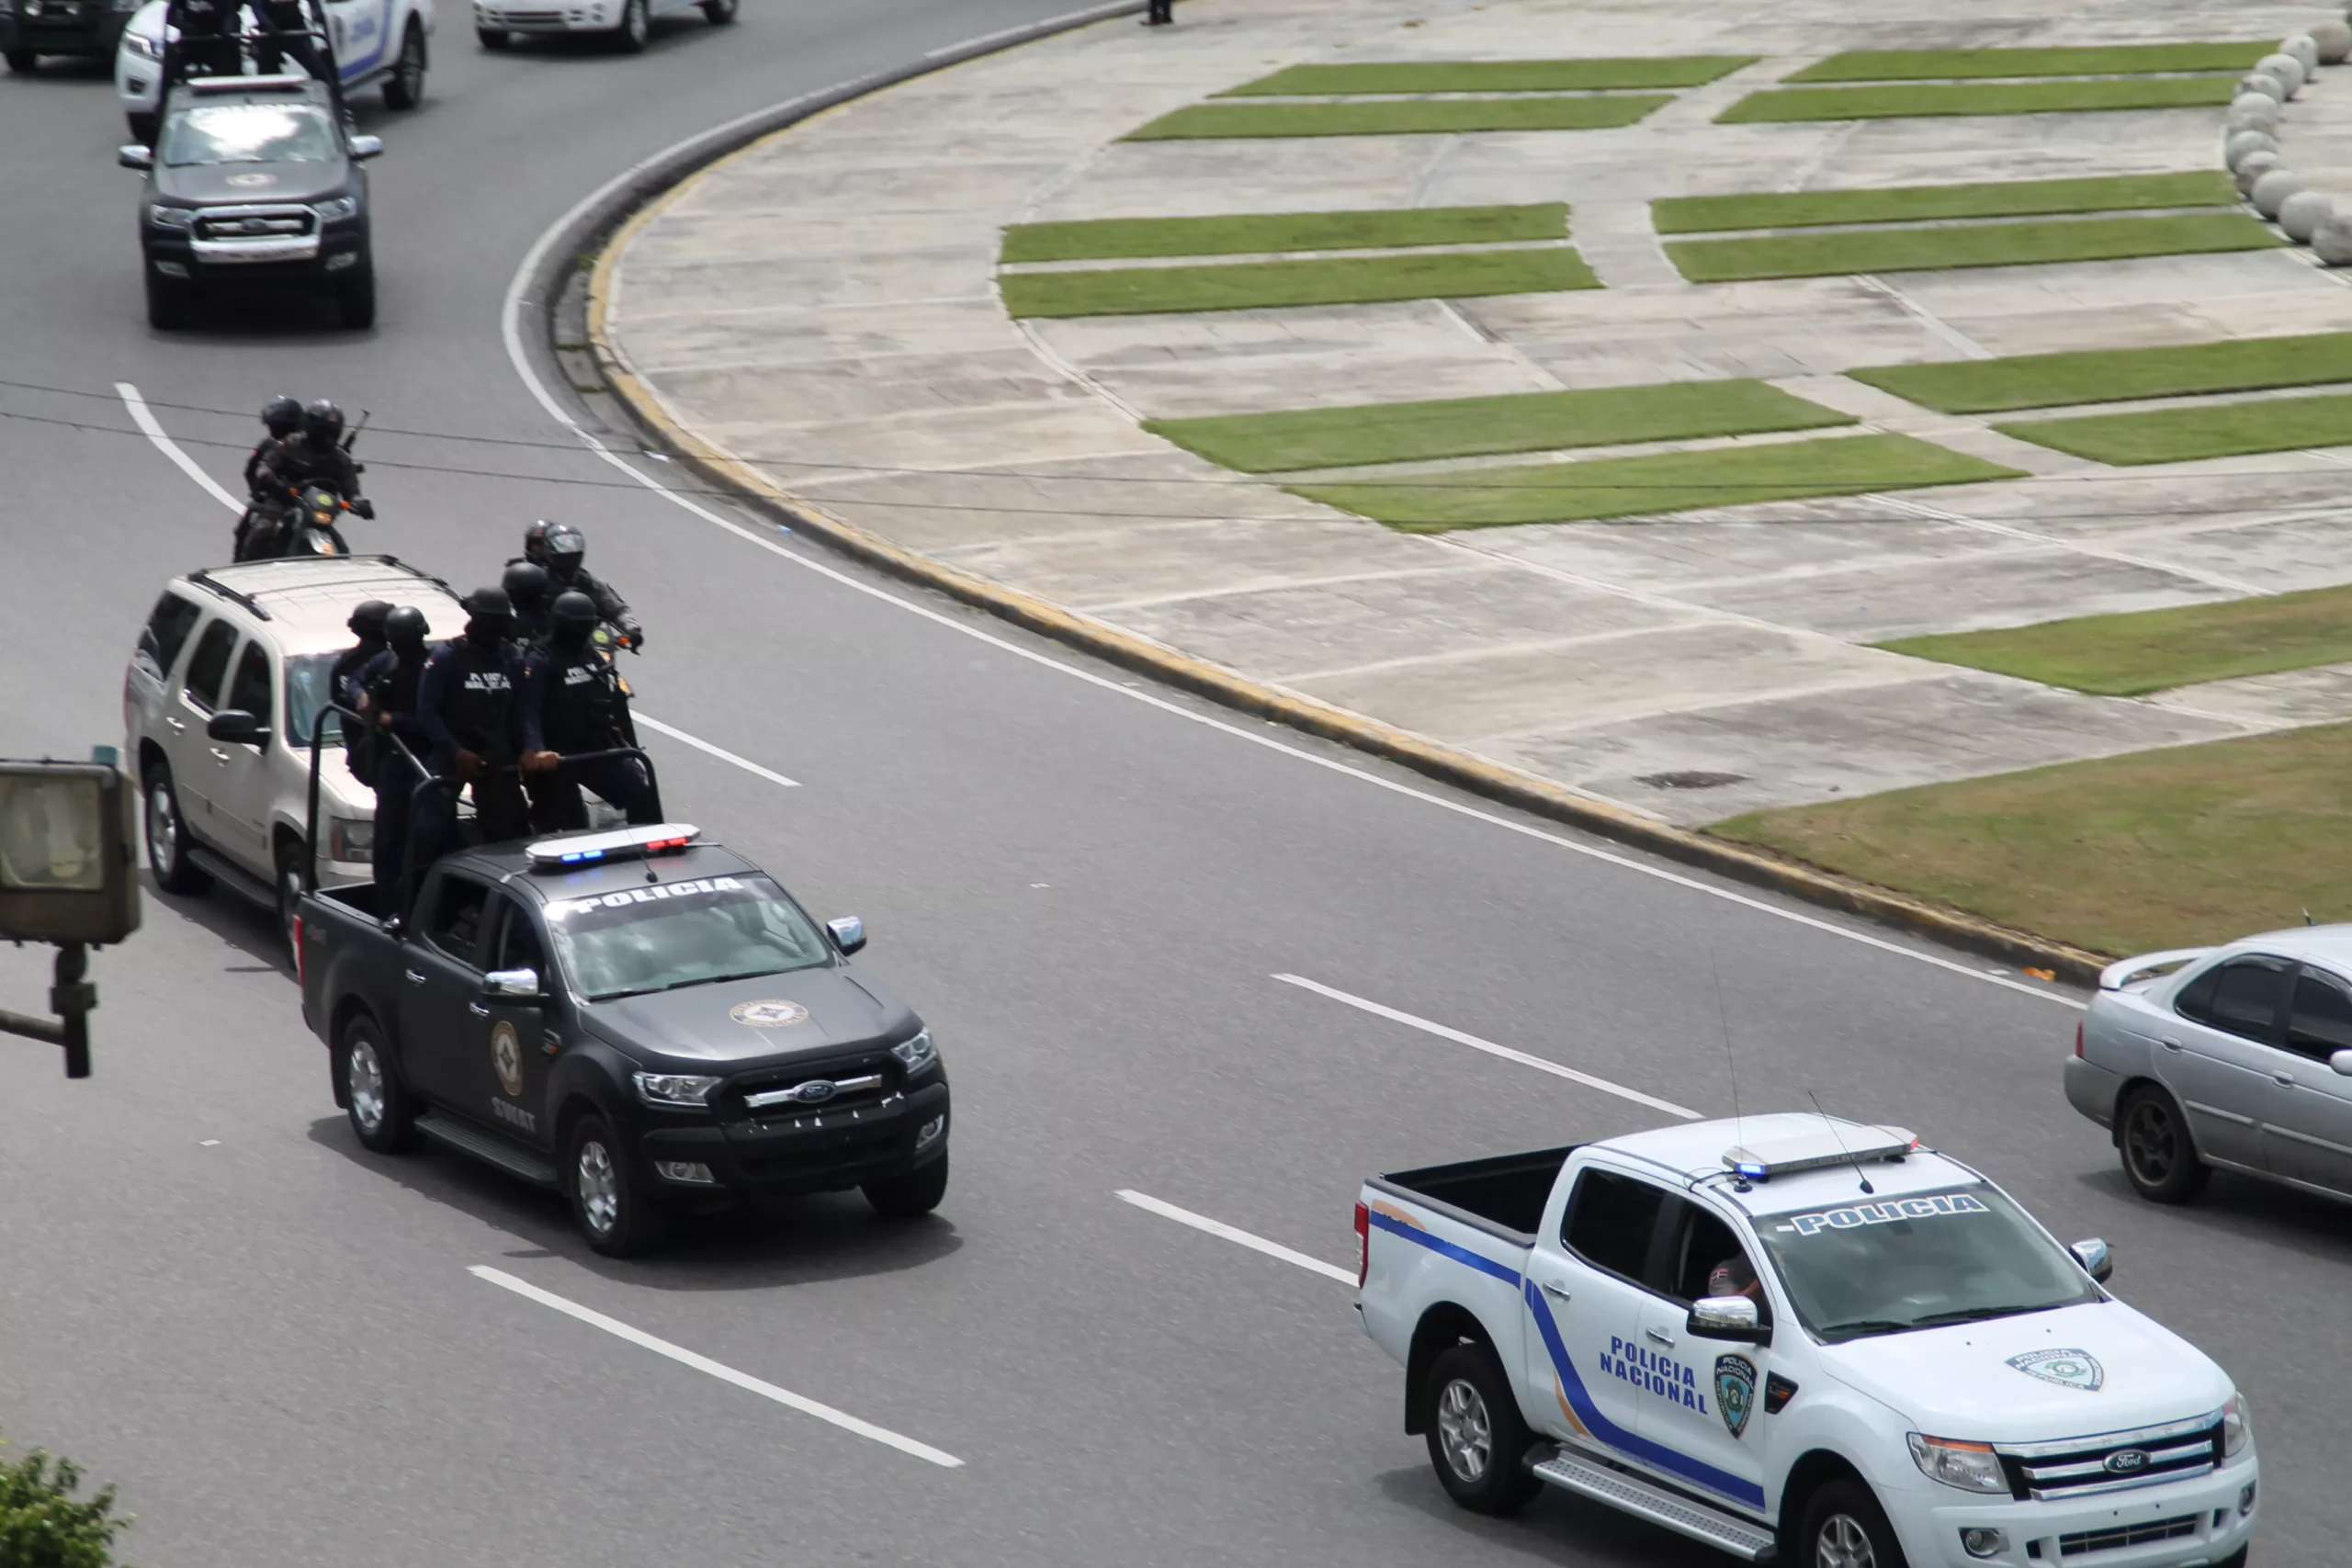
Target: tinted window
{"points": [[2196, 998], [1611, 1221], [662, 936], [1708, 1260], [165, 634], [457, 925], [2246, 995], [250, 691], [208, 663], [2321, 1024], [306, 693], [247, 133], [519, 947]]}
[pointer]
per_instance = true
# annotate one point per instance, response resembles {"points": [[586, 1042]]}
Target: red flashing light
{"points": [[1364, 1245]]}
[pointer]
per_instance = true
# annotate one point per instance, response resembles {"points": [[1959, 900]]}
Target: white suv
{"points": [[262, 637]]}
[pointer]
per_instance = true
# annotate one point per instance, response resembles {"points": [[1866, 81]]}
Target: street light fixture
{"points": [[66, 878]]}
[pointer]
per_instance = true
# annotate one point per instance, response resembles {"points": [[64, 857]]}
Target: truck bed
{"points": [[1504, 1192]]}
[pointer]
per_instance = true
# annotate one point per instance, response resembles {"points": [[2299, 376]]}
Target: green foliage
{"points": [[1493, 75], [1910, 100], [1329, 280], [2096, 59], [43, 1525], [1901, 204], [2182, 436], [1402, 117], [2100, 376], [1845, 250], [1242, 233]]}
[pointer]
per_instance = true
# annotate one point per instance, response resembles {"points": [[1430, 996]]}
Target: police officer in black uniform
{"points": [[562, 549], [282, 417], [206, 45], [572, 703], [315, 455], [527, 589], [388, 701], [366, 623], [299, 27], [467, 701]]}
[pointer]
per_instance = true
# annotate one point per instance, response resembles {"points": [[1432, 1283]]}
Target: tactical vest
{"points": [[581, 711]]}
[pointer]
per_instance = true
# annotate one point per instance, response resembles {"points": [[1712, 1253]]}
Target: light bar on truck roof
{"points": [[281, 83], [622, 843], [1840, 1144]]}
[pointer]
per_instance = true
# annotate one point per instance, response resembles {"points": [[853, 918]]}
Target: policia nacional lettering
{"points": [[1883, 1213], [1661, 1375]]}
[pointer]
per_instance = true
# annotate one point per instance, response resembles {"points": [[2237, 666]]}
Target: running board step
{"points": [[1684, 1516], [485, 1147], [234, 877]]}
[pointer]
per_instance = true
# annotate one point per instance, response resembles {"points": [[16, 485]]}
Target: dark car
{"points": [[643, 1022], [254, 181], [87, 29]]}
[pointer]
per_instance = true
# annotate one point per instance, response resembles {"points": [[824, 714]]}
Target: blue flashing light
{"points": [[584, 854], [1752, 1170]]}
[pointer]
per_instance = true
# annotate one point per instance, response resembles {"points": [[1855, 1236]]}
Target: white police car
{"points": [[626, 24], [376, 43]]}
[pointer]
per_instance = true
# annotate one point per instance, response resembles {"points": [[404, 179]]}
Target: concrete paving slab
{"points": [[2321, 694], [1214, 555]]}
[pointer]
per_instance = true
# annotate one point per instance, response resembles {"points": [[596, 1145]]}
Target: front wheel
{"points": [[382, 1114], [1477, 1441], [20, 61], [608, 1201], [142, 127], [493, 38], [636, 26], [166, 304], [2159, 1161], [404, 88], [167, 836], [355, 299], [1844, 1527], [720, 12], [289, 897], [908, 1197]]}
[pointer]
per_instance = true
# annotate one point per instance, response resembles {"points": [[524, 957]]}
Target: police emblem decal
{"points": [[251, 180], [506, 1055], [1734, 1391], [2067, 1369], [770, 1013]]}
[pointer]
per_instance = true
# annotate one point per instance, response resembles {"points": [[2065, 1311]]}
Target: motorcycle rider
{"points": [[315, 456], [281, 416], [527, 589], [572, 703], [561, 549], [388, 702], [466, 701]]}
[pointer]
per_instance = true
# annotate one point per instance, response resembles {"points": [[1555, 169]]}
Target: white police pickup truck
{"points": [[1803, 1341]]}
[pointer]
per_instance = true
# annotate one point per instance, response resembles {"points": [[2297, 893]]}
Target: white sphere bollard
{"points": [[2254, 167], [2254, 111], [2243, 143], [2333, 243], [2335, 40], [2263, 83], [2271, 191], [2285, 67], [2304, 51], [2304, 214]]}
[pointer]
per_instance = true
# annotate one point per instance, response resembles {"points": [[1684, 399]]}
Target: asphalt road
{"points": [[275, 1342]]}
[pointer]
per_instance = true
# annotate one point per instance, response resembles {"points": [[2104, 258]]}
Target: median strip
{"points": [[2185, 435], [1339, 281], [1493, 75], [2097, 60], [1258, 232], [1899, 204], [2099, 376], [1928, 99], [1416, 117], [2024, 243]]}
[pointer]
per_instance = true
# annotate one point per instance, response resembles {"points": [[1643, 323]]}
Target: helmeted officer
{"points": [[282, 417], [528, 589], [366, 623], [563, 550], [388, 702], [572, 703], [298, 28], [206, 44], [316, 454], [467, 701]]}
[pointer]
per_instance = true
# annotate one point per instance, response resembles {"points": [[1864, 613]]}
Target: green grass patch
{"points": [[1493, 75], [1416, 117], [1470, 427], [2110, 60], [1980, 244], [2182, 847], [2154, 651], [2184, 435], [1674, 481], [1337, 280], [1902, 204], [1932, 98], [1251, 231], [2102, 375]]}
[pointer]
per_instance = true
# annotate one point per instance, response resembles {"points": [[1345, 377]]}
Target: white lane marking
{"points": [[1489, 1046], [144, 418], [510, 331], [720, 752], [1241, 1238], [723, 1373]]}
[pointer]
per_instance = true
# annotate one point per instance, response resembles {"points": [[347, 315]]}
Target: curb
{"points": [[629, 209]]}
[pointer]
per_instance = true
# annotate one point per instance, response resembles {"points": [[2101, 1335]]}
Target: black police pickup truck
{"points": [[641, 1020]]}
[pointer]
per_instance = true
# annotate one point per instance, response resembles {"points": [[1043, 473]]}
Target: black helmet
{"points": [[490, 603], [367, 620], [573, 614], [563, 547], [283, 415], [526, 585], [405, 628], [535, 541], [323, 422]]}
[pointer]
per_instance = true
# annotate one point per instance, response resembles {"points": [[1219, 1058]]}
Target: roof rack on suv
{"points": [[211, 584]]}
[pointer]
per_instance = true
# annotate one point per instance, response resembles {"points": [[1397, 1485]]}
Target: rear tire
{"points": [[21, 61], [1477, 1441], [166, 304], [2159, 1159], [493, 38], [289, 897], [607, 1200], [167, 835], [720, 12], [1844, 1527], [355, 299], [382, 1112], [636, 26], [910, 1196], [404, 88]]}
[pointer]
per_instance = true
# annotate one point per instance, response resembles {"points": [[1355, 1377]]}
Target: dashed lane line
{"points": [[1239, 1238]]}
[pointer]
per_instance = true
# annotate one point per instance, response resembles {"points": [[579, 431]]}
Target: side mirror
{"points": [[134, 156], [513, 985], [1727, 1317], [2342, 1062], [237, 725], [366, 147], [2094, 1256], [848, 933]]}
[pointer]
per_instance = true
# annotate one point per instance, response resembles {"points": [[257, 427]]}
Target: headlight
{"points": [[1971, 1467], [349, 838], [143, 46], [165, 216], [337, 207], [674, 1089], [2237, 1425], [916, 1056]]}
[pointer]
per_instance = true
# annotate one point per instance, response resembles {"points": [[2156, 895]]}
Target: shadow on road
{"points": [[795, 1242], [248, 928], [1556, 1527], [2243, 1207]]}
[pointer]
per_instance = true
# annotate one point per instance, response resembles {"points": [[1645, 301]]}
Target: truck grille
{"points": [[255, 224], [2113, 1462], [2127, 1535], [861, 1084]]}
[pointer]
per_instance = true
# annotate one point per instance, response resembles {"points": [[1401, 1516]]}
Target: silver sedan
{"points": [[2238, 1056]]}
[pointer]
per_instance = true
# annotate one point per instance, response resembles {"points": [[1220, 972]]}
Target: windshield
{"points": [[1902, 1263], [664, 935], [248, 133], [306, 693]]}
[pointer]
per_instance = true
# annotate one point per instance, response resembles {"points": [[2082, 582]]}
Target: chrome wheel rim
{"points": [[1464, 1432], [600, 1187], [162, 829], [2149, 1142], [1843, 1543], [367, 1075]]}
